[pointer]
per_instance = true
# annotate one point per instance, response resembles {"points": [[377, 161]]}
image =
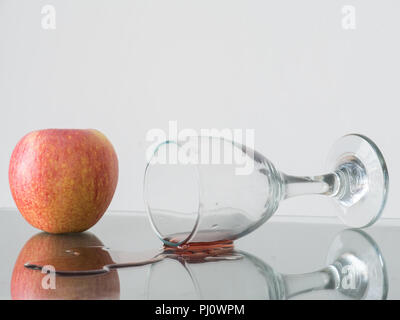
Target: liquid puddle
{"points": [[93, 260]]}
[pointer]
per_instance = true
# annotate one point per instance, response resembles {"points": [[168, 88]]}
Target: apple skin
{"points": [[26, 284], [63, 180]]}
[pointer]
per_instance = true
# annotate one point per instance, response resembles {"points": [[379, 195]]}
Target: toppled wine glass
{"points": [[206, 189]]}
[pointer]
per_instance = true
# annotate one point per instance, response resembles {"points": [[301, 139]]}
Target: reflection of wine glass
{"points": [[27, 284], [355, 269], [208, 189]]}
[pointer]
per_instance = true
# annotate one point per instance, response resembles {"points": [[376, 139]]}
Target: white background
{"points": [[286, 69]]}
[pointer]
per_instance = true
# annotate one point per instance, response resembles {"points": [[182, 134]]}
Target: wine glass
{"points": [[207, 189], [355, 269]]}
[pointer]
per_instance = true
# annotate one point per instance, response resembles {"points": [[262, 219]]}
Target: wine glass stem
{"points": [[327, 184], [296, 284]]}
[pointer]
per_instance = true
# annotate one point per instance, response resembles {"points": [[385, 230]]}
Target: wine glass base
{"points": [[361, 268], [363, 180]]}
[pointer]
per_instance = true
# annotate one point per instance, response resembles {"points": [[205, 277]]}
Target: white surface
{"points": [[284, 68]]}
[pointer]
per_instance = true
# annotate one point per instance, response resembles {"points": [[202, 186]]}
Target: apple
{"points": [[63, 180], [27, 284]]}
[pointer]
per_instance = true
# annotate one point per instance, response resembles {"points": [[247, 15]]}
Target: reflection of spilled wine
{"points": [[198, 252], [70, 262]]}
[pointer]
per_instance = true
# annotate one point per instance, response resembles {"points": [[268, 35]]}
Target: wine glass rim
{"points": [[148, 209]]}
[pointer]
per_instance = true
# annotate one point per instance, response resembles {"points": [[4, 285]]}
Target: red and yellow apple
{"points": [[27, 284], [63, 180]]}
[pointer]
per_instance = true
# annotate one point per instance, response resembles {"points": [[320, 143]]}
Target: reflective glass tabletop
{"points": [[286, 258]]}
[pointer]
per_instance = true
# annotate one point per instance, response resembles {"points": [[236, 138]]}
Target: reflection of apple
{"points": [[27, 283], [63, 180]]}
